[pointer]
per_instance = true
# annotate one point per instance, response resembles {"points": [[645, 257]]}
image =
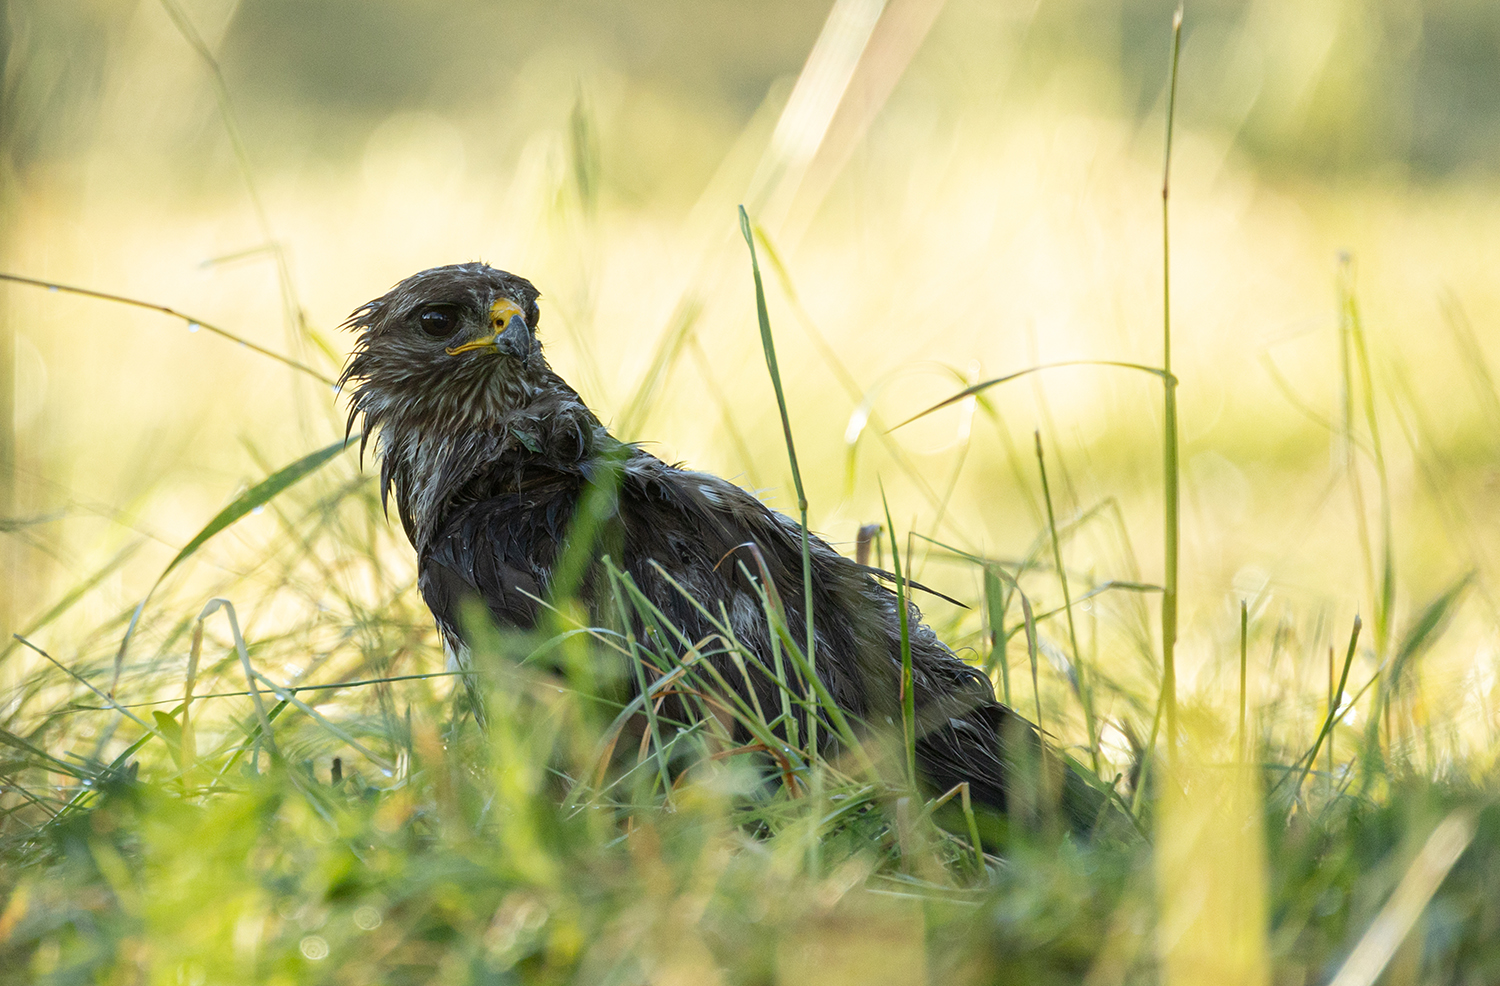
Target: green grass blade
{"points": [[1429, 624], [1244, 647], [995, 604], [1085, 693], [908, 689], [174, 313], [984, 385], [768, 344], [1328, 723], [1172, 494], [258, 495], [1029, 623]]}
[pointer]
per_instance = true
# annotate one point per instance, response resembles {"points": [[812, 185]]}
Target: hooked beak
{"points": [[509, 333]]}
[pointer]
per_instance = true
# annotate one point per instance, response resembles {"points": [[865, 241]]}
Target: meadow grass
{"points": [[217, 802], [255, 774]]}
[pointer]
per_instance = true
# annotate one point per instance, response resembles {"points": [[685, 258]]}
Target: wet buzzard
{"points": [[490, 454]]}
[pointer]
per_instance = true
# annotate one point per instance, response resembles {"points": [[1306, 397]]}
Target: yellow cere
{"points": [[502, 311]]}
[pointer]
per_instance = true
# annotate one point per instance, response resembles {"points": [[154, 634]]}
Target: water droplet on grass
{"points": [[194, 326]]}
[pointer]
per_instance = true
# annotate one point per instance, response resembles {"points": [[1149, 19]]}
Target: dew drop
{"points": [[258, 510], [52, 287], [194, 326]]}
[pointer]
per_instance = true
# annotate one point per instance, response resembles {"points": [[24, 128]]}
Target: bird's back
{"points": [[703, 551]]}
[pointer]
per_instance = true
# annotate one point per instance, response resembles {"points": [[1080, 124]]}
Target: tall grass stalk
{"points": [[1171, 523], [1356, 378], [1085, 691], [995, 605], [908, 691], [1244, 649], [1333, 706], [768, 344], [638, 666], [1311, 757], [1028, 625]]}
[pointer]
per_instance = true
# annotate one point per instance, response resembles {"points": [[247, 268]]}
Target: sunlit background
{"points": [[945, 193], [949, 192]]}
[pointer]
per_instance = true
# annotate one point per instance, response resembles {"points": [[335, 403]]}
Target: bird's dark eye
{"points": [[439, 321]]}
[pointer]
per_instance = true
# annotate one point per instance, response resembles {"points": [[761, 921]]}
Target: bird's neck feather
{"points": [[430, 452]]}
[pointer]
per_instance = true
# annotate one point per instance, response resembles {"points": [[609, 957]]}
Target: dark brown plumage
{"points": [[489, 453]]}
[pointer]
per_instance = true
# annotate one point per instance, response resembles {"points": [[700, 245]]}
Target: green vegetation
{"points": [[229, 756], [347, 822]]}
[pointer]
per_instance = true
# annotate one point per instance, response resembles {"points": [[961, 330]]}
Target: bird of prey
{"points": [[490, 453]]}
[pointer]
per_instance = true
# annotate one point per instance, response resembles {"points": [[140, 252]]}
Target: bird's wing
{"points": [[696, 543], [963, 734]]}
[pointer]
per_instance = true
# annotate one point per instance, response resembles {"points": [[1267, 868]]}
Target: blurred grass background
{"points": [[960, 190], [997, 210]]}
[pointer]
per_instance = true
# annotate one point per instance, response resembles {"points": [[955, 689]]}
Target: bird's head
{"points": [[448, 346]]}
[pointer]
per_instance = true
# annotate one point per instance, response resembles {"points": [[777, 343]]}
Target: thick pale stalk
{"points": [[1173, 498]]}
